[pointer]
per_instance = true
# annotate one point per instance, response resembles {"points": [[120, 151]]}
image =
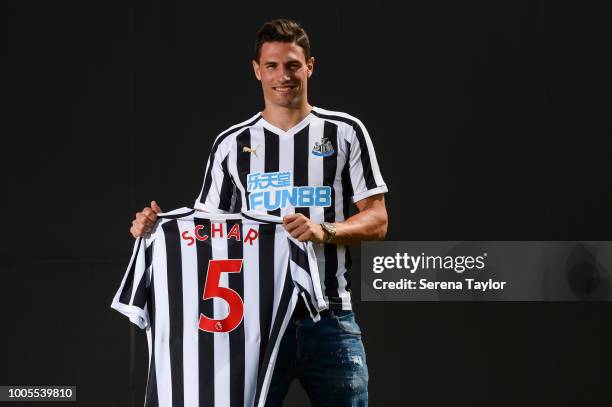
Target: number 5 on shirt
{"points": [[213, 290]]}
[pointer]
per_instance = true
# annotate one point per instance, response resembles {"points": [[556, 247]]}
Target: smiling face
{"points": [[283, 71]]}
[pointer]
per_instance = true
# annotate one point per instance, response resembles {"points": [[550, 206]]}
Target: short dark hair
{"points": [[282, 30]]}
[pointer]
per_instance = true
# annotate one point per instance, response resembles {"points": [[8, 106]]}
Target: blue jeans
{"points": [[328, 359]]}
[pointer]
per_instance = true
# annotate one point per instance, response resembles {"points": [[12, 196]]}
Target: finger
{"points": [[299, 231], [305, 236], [294, 225], [155, 207], [289, 218], [136, 231], [147, 217], [143, 220], [289, 227], [152, 216], [298, 219], [140, 226]]}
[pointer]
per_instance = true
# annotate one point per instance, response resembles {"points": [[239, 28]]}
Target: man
{"points": [[305, 164]]}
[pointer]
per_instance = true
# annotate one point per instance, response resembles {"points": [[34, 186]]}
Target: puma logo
{"points": [[246, 149]]}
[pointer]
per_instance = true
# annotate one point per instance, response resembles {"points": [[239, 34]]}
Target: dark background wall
{"points": [[490, 121]]}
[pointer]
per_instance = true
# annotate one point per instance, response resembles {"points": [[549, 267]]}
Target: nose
{"points": [[286, 74]]}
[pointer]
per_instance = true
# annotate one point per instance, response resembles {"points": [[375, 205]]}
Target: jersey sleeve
{"points": [[131, 298], [305, 275], [363, 174], [218, 192]]}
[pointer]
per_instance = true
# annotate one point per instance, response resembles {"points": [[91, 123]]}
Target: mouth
{"points": [[284, 88]]}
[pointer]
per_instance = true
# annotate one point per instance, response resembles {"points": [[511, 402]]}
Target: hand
{"points": [[303, 229], [145, 220]]}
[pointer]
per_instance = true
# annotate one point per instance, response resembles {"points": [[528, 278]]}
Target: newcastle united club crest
{"points": [[323, 147]]}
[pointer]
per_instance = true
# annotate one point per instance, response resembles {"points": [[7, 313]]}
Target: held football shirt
{"points": [[316, 168], [215, 294]]}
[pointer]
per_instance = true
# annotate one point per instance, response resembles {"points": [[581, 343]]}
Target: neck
{"points": [[285, 117]]}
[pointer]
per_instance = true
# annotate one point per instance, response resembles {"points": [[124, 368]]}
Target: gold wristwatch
{"points": [[331, 231]]}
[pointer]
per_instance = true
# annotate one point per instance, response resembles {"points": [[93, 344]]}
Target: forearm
{"points": [[369, 224]]}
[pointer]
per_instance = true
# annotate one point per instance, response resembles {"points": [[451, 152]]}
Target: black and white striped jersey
{"points": [[317, 168], [215, 293]]}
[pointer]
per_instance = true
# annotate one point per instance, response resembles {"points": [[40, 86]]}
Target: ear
{"points": [[310, 66], [256, 69]]}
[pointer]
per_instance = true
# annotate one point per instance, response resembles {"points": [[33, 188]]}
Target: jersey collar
{"points": [[305, 121]]}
